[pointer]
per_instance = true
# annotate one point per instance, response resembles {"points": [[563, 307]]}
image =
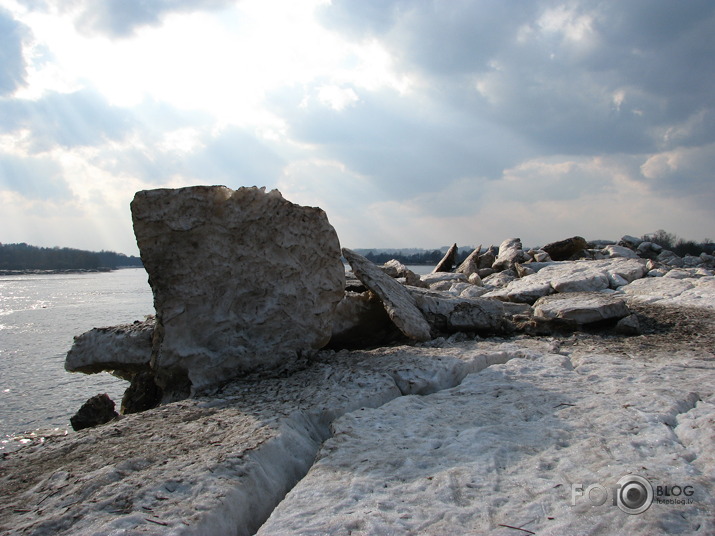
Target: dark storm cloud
{"points": [[121, 18], [82, 118], [404, 147], [12, 64], [665, 49], [33, 177], [445, 38], [575, 78]]}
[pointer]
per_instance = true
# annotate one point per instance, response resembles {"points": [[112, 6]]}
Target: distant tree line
{"points": [[680, 246], [426, 257], [26, 257]]}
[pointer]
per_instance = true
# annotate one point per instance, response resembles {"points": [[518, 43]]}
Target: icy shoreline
{"points": [[434, 438], [544, 391]]}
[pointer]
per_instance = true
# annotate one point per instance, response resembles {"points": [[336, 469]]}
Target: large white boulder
{"points": [[243, 281], [614, 251]]}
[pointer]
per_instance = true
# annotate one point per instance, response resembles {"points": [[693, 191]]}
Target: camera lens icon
{"points": [[635, 494]]}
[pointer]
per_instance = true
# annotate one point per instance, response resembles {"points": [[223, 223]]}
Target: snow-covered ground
{"points": [[511, 446], [455, 436]]}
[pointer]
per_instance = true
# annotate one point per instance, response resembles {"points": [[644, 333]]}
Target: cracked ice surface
{"points": [[492, 434], [504, 447], [219, 464]]}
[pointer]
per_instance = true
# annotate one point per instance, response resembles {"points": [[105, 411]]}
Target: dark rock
{"points": [[565, 249], [629, 325], [142, 394], [486, 259], [97, 410], [362, 322]]}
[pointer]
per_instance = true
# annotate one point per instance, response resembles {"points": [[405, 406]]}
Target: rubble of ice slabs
{"points": [[219, 464], [517, 446], [578, 276]]}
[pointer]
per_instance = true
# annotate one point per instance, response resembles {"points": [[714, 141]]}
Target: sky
{"points": [[412, 123]]}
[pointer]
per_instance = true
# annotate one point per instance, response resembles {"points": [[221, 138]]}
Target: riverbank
{"points": [[564, 389], [447, 436], [64, 271]]}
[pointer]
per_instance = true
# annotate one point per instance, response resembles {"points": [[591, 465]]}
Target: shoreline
{"points": [[61, 271]]}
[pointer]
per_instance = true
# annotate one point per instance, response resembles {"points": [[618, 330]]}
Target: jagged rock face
{"points": [[470, 265], [243, 281], [447, 313]]}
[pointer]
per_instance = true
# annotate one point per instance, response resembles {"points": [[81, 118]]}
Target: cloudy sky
{"points": [[412, 123]]}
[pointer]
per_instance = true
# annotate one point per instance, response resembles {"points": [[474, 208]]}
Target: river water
{"points": [[39, 316]]}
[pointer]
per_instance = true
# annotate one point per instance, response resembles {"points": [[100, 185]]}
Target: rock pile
{"points": [[247, 283]]}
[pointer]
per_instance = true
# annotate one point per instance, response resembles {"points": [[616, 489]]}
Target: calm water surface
{"points": [[39, 316]]}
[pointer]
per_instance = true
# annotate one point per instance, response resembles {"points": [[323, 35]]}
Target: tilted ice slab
{"points": [[517, 446], [219, 464]]}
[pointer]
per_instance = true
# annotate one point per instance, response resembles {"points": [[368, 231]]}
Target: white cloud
{"points": [[410, 123], [336, 97]]}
